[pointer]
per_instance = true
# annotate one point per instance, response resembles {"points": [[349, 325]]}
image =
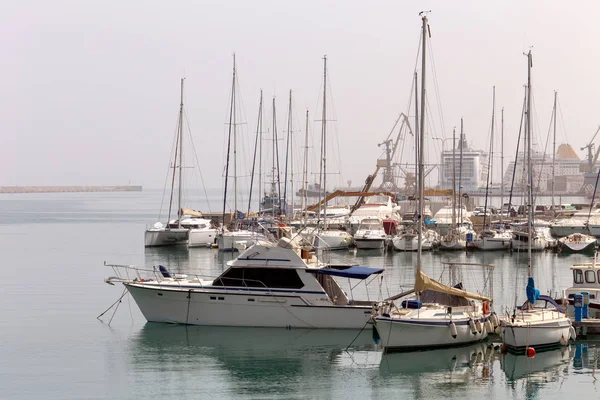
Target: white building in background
{"points": [[474, 167], [568, 177]]}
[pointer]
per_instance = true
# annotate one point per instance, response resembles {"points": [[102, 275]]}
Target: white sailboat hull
{"points": [[487, 243], [539, 331], [566, 230], [242, 307], [202, 237], [456, 244], [165, 237], [538, 244], [365, 243], [410, 243], [408, 334]]}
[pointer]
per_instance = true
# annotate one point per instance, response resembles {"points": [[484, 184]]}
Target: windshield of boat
{"points": [[370, 224]]}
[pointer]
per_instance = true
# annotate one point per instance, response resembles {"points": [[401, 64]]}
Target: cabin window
{"points": [[590, 277], [577, 276], [260, 278]]}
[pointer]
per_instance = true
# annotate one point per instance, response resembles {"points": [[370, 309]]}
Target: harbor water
{"points": [[54, 247]]}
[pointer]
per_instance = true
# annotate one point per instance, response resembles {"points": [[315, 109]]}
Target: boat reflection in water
{"points": [[446, 360], [235, 361], [440, 373], [532, 375]]}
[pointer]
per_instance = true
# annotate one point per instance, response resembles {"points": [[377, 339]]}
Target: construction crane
{"points": [[591, 160], [588, 167], [391, 146]]}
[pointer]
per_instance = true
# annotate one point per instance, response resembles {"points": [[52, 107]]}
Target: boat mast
{"points": [[288, 154], [231, 108], [305, 171], [421, 142], [275, 169], [416, 134], [256, 144], [502, 164], [453, 179], [554, 152], [491, 158], [235, 190], [460, 172], [180, 155], [324, 141], [529, 171], [260, 140]]}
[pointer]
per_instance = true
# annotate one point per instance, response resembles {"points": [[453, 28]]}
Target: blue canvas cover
{"points": [[532, 293]]}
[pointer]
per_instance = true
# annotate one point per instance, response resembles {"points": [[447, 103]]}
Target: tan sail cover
{"points": [[424, 283], [191, 213]]}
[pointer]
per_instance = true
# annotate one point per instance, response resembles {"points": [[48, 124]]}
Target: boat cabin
{"points": [[586, 278]]}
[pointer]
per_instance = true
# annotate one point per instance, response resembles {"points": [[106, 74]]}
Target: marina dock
{"points": [[68, 189]]}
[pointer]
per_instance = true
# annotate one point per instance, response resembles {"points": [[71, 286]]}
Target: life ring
{"points": [[486, 308], [282, 225]]}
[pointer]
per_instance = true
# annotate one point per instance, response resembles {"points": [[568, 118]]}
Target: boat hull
{"points": [[539, 334], [369, 243], [165, 237], [406, 334], [410, 243], [243, 307], [453, 245], [492, 244], [202, 237]]}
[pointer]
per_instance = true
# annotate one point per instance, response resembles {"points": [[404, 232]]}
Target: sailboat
{"points": [[456, 239], [173, 233], [235, 239], [496, 238], [540, 322], [324, 236], [439, 315]]}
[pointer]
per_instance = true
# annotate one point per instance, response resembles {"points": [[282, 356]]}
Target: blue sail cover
{"points": [[355, 272], [532, 293]]}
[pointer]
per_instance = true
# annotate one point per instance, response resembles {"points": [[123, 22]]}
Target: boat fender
{"points": [[453, 330], [488, 326], [479, 326], [495, 320], [472, 327], [572, 333]]}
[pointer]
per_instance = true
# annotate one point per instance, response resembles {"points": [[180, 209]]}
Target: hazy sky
{"points": [[90, 89]]}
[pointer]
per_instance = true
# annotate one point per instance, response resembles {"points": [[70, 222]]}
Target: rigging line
{"points": [[437, 88], [562, 120], [512, 184], [162, 201], [197, 163]]}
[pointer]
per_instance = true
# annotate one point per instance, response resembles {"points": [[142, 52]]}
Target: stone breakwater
{"points": [[67, 189]]}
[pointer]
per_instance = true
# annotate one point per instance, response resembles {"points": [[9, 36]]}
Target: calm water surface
{"points": [[53, 347]]}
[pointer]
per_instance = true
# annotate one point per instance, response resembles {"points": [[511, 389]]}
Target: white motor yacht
{"points": [[586, 278], [370, 234], [382, 207], [279, 285]]}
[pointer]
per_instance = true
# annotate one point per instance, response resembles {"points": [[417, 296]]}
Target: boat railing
{"points": [[131, 273]]}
